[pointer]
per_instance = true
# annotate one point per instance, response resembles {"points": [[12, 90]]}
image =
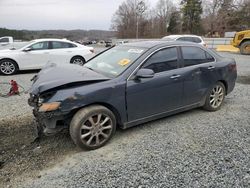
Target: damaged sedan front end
{"points": [[52, 108]]}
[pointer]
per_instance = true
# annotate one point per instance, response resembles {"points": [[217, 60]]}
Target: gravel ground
{"points": [[191, 149]]}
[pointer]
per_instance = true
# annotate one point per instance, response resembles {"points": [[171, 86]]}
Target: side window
{"points": [[182, 39], [196, 40], [70, 45], [58, 45], [163, 60], [40, 46], [209, 57], [195, 55], [4, 40]]}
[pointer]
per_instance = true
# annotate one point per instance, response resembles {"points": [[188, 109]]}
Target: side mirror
{"points": [[27, 49], [145, 73]]}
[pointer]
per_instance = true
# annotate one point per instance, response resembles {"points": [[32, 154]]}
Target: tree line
{"points": [[210, 18]]}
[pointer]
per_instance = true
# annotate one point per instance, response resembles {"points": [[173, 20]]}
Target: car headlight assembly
{"points": [[48, 107]]}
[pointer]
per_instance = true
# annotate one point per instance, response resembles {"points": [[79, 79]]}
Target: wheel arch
{"points": [[75, 56], [108, 106], [244, 40], [225, 84], [6, 58]]}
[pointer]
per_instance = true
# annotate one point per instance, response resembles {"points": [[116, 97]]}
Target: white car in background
{"points": [[188, 38], [38, 53]]}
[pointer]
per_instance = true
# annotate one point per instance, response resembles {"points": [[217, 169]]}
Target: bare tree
{"points": [[124, 20], [164, 9]]}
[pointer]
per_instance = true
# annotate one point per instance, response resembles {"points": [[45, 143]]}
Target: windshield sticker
{"points": [[137, 51], [124, 62]]}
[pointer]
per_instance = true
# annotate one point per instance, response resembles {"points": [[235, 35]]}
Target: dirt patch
{"points": [[21, 156], [243, 80]]}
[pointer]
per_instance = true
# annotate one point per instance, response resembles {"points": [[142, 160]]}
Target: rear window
{"points": [[4, 40], [190, 39]]}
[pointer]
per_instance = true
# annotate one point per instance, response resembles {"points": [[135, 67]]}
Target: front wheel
{"points": [[215, 97], [92, 127], [8, 67]]}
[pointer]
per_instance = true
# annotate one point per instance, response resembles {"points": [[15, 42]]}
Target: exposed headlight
{"points": [[48, 107]]}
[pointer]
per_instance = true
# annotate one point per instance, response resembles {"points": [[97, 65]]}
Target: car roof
{"points": [[51, 39], [154, 43], [178, 36]]}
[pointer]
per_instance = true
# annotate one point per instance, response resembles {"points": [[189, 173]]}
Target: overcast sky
{"points": [[58, 14]]}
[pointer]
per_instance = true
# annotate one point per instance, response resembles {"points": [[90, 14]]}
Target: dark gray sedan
{"points": [[128, 85]]}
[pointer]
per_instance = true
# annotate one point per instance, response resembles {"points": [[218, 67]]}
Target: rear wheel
{"points": [[8, 67], [92, 127], [245, 48], [215, 97], [78, 60]]}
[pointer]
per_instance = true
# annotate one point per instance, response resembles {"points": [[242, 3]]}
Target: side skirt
{"points": [[158, 116]]}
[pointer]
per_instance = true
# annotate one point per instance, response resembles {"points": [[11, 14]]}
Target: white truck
{"points": [[4, 41]]}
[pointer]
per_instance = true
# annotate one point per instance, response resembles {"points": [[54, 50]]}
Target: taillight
{"points": [[233, 67], [92, 50]]}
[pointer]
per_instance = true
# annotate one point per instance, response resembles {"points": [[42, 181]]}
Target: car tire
{"points": [[8, 67], [245, 48], [78, 60], [215, 97], [92, 127]]}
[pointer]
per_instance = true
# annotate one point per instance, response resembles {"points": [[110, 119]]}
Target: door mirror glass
{"points": [[145, 73]]}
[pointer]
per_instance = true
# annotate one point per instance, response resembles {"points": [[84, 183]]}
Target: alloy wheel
{"points": [[96, 130], [216, 96], [78, 61], [7, 67]]}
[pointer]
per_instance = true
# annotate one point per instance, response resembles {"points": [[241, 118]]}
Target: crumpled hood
{"points": [[54, 75]]}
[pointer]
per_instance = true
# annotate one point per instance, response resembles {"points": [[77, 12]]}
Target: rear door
{"points": [[162, 93], [199, 69], [61, 52]]}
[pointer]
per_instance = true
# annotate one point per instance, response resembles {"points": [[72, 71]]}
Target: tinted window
{"points": [[40, 46], [58, 45], [196, 40], [4, 40], [195, 55], [182, 39], [163, 60], [190, 39]]}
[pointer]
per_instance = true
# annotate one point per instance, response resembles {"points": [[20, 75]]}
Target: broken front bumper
{"points": [[47, 122]]}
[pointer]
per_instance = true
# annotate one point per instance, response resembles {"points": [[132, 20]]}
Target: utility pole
{"points": [[140, 9]]}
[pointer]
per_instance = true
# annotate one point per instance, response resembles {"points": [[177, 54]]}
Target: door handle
{"points": [[210, 67], [175, 76]]}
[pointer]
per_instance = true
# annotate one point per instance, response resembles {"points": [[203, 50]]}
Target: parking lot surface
{"points": [[191, 149]]}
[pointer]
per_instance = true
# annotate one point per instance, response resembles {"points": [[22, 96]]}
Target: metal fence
{"points": [[211, 42]]}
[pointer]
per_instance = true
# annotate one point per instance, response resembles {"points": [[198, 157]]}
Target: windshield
{"points": [[115, 60]]}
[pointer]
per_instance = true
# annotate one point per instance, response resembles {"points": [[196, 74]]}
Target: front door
{"points": [[37, 57], [150, 96]]}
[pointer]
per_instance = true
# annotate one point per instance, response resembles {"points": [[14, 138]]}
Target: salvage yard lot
{"points": [[191, 149]]}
